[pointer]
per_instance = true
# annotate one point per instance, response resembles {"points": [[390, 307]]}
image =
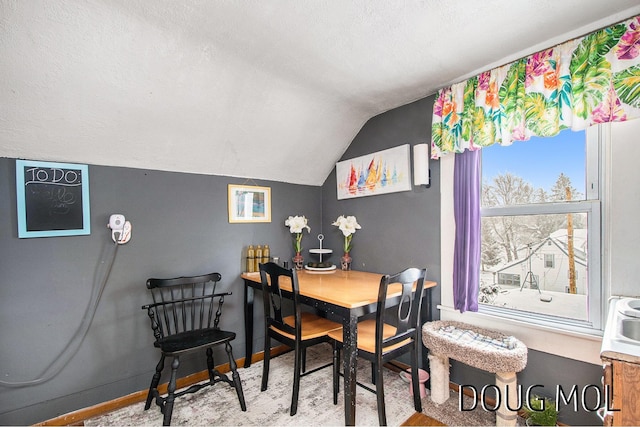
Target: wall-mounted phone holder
{"points": [[120, 229]]}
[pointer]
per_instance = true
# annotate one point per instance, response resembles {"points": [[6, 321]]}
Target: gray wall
{"points": [[399, 230], [180, 227]]}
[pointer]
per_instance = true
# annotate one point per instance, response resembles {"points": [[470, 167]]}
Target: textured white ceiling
{"points": [[267, 89]]}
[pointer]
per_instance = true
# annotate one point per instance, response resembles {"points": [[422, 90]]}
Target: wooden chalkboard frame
{"points": [[51, 173]]}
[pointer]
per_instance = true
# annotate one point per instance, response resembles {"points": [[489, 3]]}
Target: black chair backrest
{"points": [[406, 316], [270, 276], [185, 304]]}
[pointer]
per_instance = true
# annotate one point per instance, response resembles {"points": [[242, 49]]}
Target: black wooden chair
{"points": [[299, 330], [393, 332], [184, 317]]}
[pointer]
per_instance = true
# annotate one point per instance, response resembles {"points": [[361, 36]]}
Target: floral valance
{"points": [[589, 80]]}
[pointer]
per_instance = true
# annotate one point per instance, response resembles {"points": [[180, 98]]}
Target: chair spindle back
{"points": [[185, 304]]}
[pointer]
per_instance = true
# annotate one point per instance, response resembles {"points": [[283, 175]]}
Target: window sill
{"points": [[575, 345]]}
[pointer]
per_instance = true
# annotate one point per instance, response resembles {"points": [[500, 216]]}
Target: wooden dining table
{"points": [[343, 295]]}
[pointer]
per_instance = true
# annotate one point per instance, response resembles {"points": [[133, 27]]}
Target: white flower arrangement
{"points": [[296, 225], [348, 225]]}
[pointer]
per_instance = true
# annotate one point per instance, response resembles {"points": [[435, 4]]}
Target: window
{"points": [[548, 261], [541, 230], [508, 279]]}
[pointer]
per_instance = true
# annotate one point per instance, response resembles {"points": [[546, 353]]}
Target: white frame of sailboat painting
{"points": [[360, 176]]}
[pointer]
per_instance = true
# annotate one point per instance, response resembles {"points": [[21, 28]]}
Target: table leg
{"points": [[248, 324], [350, 355], [425, 316]]}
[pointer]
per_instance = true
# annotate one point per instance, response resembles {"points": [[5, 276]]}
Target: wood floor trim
{"points": [[420, 419]]}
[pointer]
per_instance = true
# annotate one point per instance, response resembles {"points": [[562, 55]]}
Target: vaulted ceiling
{"points": [[267, 89]]}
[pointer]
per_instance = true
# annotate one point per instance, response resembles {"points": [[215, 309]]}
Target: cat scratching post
{"points": [[507, 383], [481, 348], [439, 366]]}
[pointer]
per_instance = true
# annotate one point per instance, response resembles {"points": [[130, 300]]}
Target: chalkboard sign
{"points": [[53, 199]]}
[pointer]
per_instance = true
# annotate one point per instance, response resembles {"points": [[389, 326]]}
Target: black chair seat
{"points": [[192, 340]]}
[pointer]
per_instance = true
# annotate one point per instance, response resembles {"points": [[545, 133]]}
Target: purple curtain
{"points": [[466, 204]]}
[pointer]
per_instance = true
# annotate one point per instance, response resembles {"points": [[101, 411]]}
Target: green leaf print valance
{"points": [[589, 80]]}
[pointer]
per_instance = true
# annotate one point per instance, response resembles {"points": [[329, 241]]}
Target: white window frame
{"points": [[583, 345], [592, 207], [512, 276], [549, 261]]}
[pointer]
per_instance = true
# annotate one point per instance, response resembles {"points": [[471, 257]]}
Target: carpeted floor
{"points": [[219, 405]]}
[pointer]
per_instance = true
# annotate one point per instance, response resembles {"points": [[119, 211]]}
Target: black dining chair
{"points": [[299, 330], [393, 332], [185, 316]]}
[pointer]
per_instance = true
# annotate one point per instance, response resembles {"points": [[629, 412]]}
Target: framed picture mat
{"points": [[248, 203]]}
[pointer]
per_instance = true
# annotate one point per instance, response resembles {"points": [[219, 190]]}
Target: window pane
{"points": [[535, 171], [548, 260], [536, 263]]}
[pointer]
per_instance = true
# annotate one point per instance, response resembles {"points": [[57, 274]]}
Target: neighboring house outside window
{"points": [[541, 230]]}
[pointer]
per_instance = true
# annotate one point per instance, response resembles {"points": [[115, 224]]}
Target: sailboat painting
{"points": [[385, 171]]}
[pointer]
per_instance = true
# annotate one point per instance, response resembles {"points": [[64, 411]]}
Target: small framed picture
{"points": [[52, 199], [249, 203]]}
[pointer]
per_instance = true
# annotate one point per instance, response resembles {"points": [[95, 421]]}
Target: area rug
{"points": [[218, 405]]}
